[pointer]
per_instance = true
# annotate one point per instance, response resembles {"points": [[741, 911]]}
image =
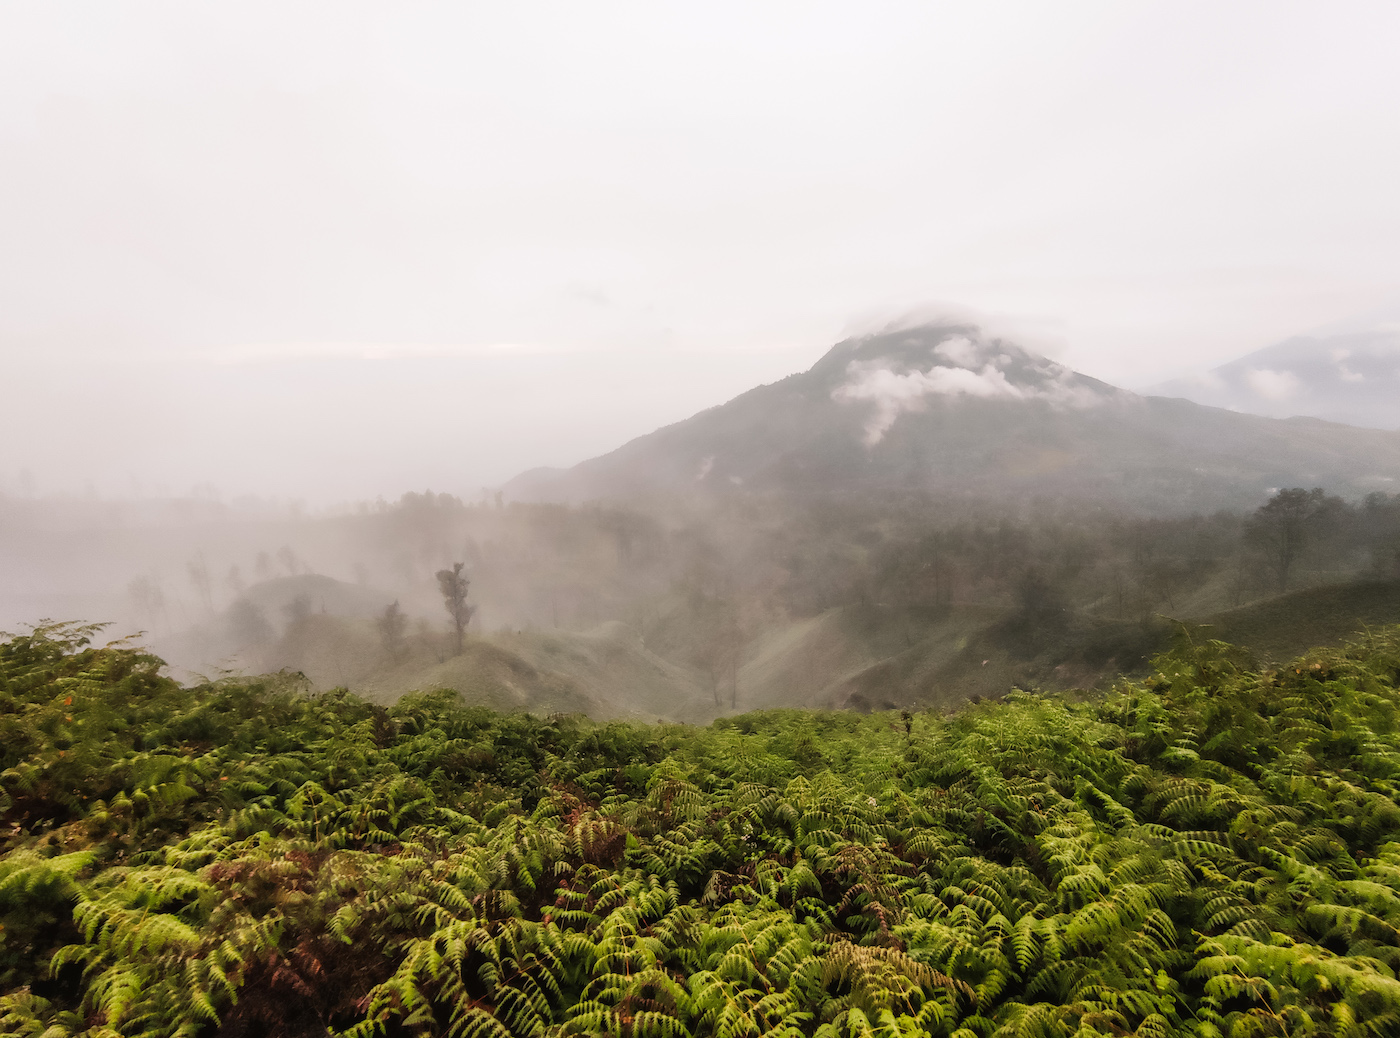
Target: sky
{"points": [[331, 251]]}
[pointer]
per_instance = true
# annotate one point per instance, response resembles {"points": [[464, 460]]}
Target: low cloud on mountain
{"points": [[1352, 378], [986, 370], [1273, 385]]}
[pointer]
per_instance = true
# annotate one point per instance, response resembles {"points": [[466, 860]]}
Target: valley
{"points": [[924, 517]]}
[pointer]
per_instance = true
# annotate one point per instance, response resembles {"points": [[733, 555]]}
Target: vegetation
{"points": [[746, 601], [1282, 526], [1212, 851], [454, 589], [924, 589]]}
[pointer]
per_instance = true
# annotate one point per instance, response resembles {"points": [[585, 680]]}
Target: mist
{"points": [[625, 518], [212, 212], [742, 358], [344, 424]]}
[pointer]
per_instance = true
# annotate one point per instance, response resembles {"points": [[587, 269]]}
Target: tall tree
{"points": [[392, 624], [454, 588], [198, 570], [1283, 527], [148, 598]]}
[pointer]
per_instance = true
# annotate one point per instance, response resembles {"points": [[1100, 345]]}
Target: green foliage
{"points": [[1214, 851]]}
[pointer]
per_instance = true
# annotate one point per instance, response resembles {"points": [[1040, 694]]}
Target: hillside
{"points": [[885, 659], [922, 517], [946, 411], [862, 657], [604, 672], [1279, 628], [1212, 850]]}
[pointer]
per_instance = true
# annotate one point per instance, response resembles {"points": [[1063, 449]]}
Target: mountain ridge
{"points": [[1352, 378], [943, 409]]}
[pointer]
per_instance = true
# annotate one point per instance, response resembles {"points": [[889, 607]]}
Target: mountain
{"points": [[945, 410], [1352, 378]]}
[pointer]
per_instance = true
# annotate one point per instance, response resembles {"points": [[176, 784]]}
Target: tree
{"points": [[248, 625], [1378, 531], [148, 598], [1042, 612], [298, 609], [289, 559], [392, 624], [199, 577], [1284, 526], [454, 597]]}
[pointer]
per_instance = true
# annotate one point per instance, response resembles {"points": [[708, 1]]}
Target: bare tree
{"points": [[454, 588]]}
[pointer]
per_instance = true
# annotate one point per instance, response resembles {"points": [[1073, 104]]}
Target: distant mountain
{"points": [[946, 410], [1352, 378]]}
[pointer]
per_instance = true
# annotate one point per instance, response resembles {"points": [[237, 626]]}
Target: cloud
{"points": [[1273, 385], [961, 350], [1339, 357], [895, 393]]}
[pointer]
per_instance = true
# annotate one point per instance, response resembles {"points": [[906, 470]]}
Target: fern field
{"points": [[1213, 852]]}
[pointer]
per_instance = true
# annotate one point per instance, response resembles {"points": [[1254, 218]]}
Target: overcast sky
{"points": [[338, 250]]}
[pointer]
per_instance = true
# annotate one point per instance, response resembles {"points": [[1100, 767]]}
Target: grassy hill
{"points": [[605, 672], [1280, 628]]}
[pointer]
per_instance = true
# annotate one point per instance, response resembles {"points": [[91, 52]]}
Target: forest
{"points": [[899, 602], [1211, 850], [683, 611]]}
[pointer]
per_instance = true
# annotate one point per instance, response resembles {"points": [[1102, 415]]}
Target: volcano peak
{"points": [[895, 373]]}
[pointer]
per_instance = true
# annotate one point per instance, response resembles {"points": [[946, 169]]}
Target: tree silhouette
{"points": [[392, 624], [454, 597], [198, 571]]}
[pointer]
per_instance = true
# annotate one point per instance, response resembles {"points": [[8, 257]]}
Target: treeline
{"points": [[705, 589], [571, 567], [1212, 851], [1111, 565], [548, 566], [1033, 575]]}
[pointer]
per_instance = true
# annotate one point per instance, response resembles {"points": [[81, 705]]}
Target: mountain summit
{"points": [[898, 374], [945, 409]]}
